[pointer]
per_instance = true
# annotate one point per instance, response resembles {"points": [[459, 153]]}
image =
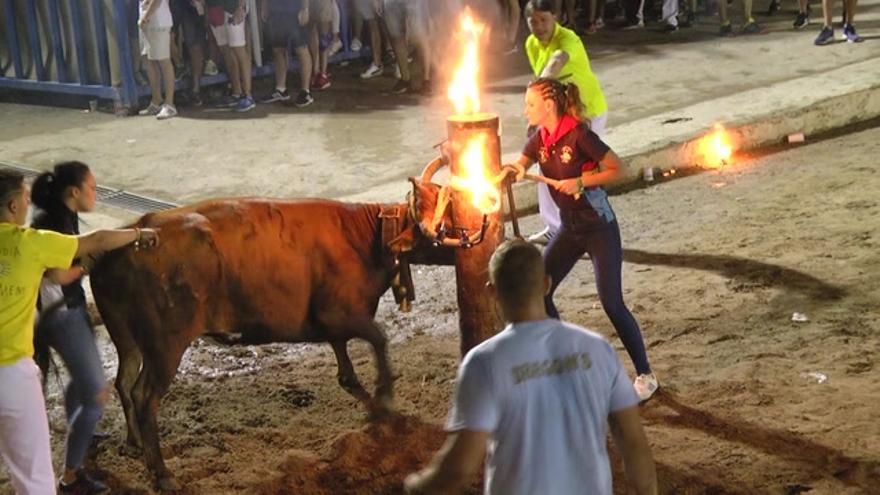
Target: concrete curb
{"points": [[754, 118]]}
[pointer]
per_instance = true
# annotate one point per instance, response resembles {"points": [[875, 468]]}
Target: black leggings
{"points": [[602, 241]]}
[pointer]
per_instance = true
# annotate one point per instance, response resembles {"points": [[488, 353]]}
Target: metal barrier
{"points": [[84, 47]]}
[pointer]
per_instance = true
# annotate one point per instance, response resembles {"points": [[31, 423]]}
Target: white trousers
{"points": [[546, 206], [24, 429]]}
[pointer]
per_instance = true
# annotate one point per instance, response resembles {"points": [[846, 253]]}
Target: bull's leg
{"points": [[130, 360], [371, 332], [154, 388], [346, 375]]}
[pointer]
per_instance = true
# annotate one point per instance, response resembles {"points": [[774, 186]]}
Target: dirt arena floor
{"points": [[716, 265]]}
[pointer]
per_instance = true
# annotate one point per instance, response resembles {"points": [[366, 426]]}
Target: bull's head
{"points": [[429, 206]]}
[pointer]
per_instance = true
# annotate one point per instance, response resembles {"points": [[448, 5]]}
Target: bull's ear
{"points": [[402, 243]]}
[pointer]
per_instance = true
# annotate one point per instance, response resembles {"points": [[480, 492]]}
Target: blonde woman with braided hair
{"points": [[573, 155]]}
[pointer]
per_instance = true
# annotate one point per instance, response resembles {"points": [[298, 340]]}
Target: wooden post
{"points": [[478, 315]]}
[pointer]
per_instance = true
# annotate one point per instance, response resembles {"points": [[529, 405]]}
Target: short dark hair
{"points": [[11, 184], [539, 6], [517, 272]]}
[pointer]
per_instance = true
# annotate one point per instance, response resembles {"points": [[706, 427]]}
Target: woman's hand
{"points": [[572, 187], [519, 170]]}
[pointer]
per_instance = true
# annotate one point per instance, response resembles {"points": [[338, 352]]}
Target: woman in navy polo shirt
{"points": [[570, 153]]}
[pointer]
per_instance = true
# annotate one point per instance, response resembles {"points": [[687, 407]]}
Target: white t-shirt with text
{"points": [[544, 390]]}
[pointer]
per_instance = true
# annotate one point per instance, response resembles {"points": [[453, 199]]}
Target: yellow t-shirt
{"points": [[577, 68], [24, 255]]}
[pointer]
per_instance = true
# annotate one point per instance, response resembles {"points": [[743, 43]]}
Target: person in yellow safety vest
{"points": [[557, 52]]}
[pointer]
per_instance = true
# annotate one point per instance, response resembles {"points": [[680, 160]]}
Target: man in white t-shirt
{"points": [[537, 398], [155, 23]]}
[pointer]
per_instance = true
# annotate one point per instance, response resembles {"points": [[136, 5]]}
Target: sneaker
{"points": [[850, 34], [726, 29], [83, 485], [801, 21], [751, 27], [321, 81], [645, 386], [591, 28], [356, 45], [151, 110], [633, 25], [276, 95], [167, 112], [195, 98], [245, 104], [670, 28], [372, 71], [303, 99], [773, 7], [229, 101], [401, 87], [397, 74], [335, 46], [543, 237], [210, 68], [600, 23], [826, 36]]}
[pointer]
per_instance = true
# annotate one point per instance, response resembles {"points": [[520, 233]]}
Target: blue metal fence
{"points": [[76, 36]]}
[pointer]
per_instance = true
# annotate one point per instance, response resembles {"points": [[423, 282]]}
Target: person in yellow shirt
{"points": [[558, 53], [25, 255]]}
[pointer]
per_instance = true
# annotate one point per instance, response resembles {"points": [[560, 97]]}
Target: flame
{"points": [[472, 176], [464, 89], [716, 148]]}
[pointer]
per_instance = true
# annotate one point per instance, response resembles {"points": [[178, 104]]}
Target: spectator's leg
{"points": [[314, 47], [167, 68], [513, 13], [232, 70], [722, 11], [280, 55], [850, 11], [747, 10], [154, 77], [243, 59], [828, 11], [197, 62], [325, 31], [375, 41], [305, 67]]}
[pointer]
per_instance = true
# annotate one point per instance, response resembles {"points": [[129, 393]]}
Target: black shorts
{"points": [[192, 27], [283, 30]]}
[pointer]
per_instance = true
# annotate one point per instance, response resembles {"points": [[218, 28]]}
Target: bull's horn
{"points": [[431, 168]]}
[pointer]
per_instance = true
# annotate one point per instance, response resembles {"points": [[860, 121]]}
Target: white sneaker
{"points": [[210, 68], [335, 46], [372, 71], [153, 109], [543, 237], [645, 386], [167, 112], [356, 45]]}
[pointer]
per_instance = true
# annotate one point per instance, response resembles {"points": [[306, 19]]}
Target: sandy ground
{"points": [[716, 264]]}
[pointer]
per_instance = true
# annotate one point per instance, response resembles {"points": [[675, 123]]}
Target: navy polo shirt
{"points": [[576, 151]]}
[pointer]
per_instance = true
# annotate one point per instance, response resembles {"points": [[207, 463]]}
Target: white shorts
{"points": [[24, 429], [156, 43], [229, 34]]}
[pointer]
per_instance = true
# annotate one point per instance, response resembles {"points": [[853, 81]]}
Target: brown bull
{"points": [[271, 271]]}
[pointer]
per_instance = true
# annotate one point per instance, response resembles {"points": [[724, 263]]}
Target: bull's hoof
{"points": [[167, 484], [132, 450]]}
